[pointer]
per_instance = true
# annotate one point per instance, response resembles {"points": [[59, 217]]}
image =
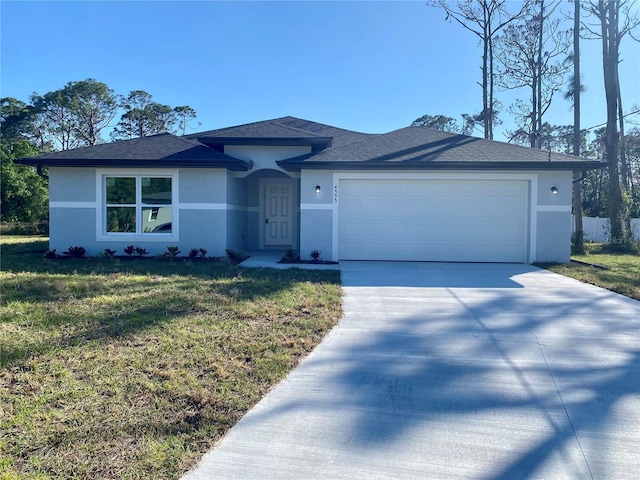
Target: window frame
{"points": [[101, 215]]}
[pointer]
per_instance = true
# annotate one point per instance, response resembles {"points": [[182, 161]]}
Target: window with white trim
{"points": [[138, 204]]}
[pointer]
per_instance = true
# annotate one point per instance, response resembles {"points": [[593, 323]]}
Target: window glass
{"points": [[156, 191], [121, 191], [138, 205], [156, 219], [121, 219]]}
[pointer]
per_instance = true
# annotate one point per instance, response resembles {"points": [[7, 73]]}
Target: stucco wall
{"points": [[549, 216], [200, 215], [316, 213], [236, 213], [72, 184], [201, 185], [553, 237]]}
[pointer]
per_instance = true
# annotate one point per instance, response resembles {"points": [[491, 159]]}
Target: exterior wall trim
{"points": [[316, 206], [211, 206], [73, 205], [554, 208]]}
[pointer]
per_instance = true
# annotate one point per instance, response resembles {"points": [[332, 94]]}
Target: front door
{"points": [[278, 214]]}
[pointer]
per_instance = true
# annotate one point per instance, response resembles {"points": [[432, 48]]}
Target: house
{"points": [[289, 183]]}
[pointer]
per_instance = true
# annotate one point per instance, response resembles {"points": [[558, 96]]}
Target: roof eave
{"points": [[294, 166], [235, 165]]}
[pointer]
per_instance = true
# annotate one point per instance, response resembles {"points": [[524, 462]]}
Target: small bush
{"points": [[108, 253], [630, 247], [75, 252], [141, 252], [129, 249], [315, 255], [171, 253], [51, 254], [291, 255], [235, 257], [24, 228], [197, 253]]}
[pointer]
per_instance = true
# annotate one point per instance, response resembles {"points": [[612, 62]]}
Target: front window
{"points": [[138, 204]]}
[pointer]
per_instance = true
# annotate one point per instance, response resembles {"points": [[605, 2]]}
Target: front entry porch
{"points": [[273, 213]]}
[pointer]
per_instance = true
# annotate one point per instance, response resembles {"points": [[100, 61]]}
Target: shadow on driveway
{"points": [[468, 371]]}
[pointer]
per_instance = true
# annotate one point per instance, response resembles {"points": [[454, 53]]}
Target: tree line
{"points": [[527, 47], [76, 115]]}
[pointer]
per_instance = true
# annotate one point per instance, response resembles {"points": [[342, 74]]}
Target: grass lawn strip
{"points": [[135, 369], [622, 274]]}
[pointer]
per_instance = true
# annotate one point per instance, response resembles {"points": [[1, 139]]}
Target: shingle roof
{"points": [[284, 127], [155, 150], [406, 148], [420, 147]]}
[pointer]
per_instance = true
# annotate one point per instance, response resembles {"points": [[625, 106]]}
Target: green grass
{"points": [[133, 369], [622, 274]]}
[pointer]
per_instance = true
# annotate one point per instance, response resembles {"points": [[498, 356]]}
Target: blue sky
{"points": [[367, 66]]}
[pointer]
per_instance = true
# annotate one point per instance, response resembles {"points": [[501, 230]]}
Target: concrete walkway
{"points": [[451, 371], [270, 259]]}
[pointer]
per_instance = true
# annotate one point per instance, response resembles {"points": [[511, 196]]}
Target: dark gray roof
{"points": [[420, 147], [153, 151], [283, 128], [332, 148]]}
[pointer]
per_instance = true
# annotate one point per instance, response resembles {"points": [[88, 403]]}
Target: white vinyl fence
{"points": [[598, 229]]}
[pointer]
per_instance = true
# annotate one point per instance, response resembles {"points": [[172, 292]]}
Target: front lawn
{"points": [[622, 274], [134, 369]]}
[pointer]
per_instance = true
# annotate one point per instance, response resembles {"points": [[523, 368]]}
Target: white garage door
{"points": [[433, 220]]}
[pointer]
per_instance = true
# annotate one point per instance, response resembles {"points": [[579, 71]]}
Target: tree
{"points": [[74, 115], [16, 119], [437, 122], [93, 105], [144, 117], [184, 115], [533, 53], [483, 18], [614, 21], [55, 121], [23, 193]]}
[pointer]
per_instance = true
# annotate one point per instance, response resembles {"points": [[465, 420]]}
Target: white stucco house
{"points": [[410, 194]]}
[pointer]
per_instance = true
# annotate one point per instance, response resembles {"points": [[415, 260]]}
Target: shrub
{"points": [[193, 253], [108, 253], [171, 253], [141, 252], [51, 254], [202, 253], [291, 255], [75, 252], [315, 255], [129, 249]]}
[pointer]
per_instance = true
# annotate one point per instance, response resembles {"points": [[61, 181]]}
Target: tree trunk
{"points": [[485, 85], [578, 238], [625, 169], [609, 23], [538, 126]]}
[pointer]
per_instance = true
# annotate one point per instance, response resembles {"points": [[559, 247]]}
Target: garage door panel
{"points": [[442, 220]]}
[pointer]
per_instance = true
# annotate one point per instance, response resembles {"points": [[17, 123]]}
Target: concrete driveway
{"points": [[446, 371]]}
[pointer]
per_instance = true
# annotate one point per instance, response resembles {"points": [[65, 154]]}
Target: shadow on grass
{"points": [[60, 303]]}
